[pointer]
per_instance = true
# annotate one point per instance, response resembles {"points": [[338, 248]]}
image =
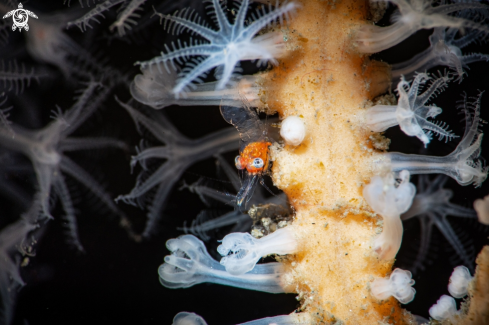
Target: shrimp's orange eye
{"points": [[237, 162], [257, 163]]}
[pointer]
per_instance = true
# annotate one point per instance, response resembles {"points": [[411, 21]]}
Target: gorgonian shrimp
{"points": [[254, 156]]}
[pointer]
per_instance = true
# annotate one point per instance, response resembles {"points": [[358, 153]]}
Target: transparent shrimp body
{"points": [[254, 158]]}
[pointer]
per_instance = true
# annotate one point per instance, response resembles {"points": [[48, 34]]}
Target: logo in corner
{"points": [[20, 17]]}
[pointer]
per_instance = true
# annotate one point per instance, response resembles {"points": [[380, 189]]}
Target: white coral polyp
{"points": [[463, 164], [398, 285], [444, 308], [482, 208], [389, 201], [185, 318], [241, 251], [411, 113], [293, 130], [459, 282], [223, 48]]}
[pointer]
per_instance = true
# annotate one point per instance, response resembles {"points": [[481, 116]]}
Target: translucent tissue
{"points": [[411, 113], [398, 285], [242, 251], [185, 318], [459, 282], [191, 264], [444, 308], [389, 200]]}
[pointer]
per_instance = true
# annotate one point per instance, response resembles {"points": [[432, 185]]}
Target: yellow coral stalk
{"points": [[328, 83]]}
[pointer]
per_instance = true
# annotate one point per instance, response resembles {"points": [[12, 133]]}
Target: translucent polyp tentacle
{"points": [[246, 190], [154, 88], [191, 264], [462, 164], [186, 318], [381, 117], [410, 18], [411, 113], [389, 200], [397, 285], [459, 282], [245, 251]]}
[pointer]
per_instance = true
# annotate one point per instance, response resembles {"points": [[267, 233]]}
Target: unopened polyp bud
{"points": [[293, 130]]}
